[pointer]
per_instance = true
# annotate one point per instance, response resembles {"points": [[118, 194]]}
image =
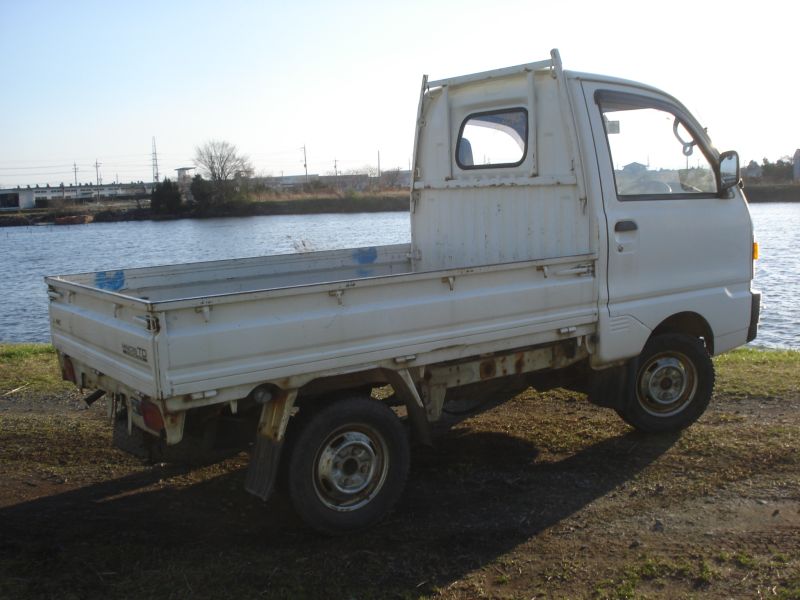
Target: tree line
{"points": [[780, 171], [225, 181]]}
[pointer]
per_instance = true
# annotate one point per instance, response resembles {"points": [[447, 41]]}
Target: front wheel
{"points": [[669, 384], [348, 465]]}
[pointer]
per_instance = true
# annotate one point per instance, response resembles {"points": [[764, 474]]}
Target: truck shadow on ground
{"points": [[474, 498]]}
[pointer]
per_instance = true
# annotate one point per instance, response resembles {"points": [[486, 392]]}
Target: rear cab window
{"points": [[493, 139]]}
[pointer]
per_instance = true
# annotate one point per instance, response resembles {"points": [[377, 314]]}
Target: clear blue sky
{"points": [[85, 81]]}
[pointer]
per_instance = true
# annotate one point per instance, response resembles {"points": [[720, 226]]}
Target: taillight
{"points": [[68, 370], [152, 416]]}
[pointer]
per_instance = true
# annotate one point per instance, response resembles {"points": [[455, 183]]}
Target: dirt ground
{"points": [[544, 496]]}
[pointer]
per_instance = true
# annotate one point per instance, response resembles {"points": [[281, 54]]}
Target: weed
{"points": [[705, 574], [723, 557], [780, 557], [744, 560]]}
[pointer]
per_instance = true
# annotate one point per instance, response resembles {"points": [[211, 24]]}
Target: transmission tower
{"points": [[155, 162], [97, 177]]}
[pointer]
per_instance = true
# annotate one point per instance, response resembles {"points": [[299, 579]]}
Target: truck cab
{"points": [[533, 162]]}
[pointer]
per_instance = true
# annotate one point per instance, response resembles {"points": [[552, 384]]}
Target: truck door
{"points": [[675, 243]]}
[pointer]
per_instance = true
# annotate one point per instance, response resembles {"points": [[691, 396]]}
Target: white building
{"points": [[15, 199], [28, 197]]}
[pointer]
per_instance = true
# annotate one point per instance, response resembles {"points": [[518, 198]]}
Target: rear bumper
{"points": [[755, 311]]}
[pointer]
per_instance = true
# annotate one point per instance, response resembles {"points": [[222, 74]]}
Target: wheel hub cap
{"points": [[667, 381], [351, 468], [666, 385]]}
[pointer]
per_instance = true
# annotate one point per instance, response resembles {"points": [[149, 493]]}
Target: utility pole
{"points": [[155, 162], [75, 170], [379, 164], [335, 168], [305, 162], [97, 177]]}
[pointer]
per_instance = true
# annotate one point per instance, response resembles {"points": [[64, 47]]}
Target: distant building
{"points": [[634, 168], [15, 199], [359, 182], [289, 182], [796, 165], [28, 197], [396, 178]]}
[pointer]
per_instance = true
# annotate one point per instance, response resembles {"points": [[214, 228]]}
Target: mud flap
{"points": [[263, 468], [607, 387]]}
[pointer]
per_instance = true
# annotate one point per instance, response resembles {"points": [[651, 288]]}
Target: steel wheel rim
{"points": [[667, 384], [350, 468]]}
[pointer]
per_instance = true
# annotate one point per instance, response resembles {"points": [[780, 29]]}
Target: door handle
{"points": [[625, 226]]}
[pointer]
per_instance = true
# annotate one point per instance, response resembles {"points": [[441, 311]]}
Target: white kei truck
{"points": [[566, 229]]}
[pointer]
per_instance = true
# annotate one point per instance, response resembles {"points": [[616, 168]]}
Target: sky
{"points": [[85, 82]]}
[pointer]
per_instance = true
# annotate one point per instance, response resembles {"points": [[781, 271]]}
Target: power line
{"points": [[29, 168]]}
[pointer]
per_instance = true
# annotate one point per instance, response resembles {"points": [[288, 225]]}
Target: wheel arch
{"points": [[688, 323]]}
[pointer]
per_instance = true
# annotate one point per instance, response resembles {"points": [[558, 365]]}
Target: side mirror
{"points": [[728, 170]]}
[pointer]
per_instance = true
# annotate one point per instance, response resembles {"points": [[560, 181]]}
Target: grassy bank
{"points": [[254, 205], [31, 369], [777, 192], [543, 496], [295, 204]]}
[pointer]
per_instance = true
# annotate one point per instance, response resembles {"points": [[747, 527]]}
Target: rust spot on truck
{"points": [[488, 369], [519, 363], [501, 363]]}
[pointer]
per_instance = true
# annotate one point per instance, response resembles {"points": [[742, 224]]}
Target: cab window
{"points": [[654, 154]]}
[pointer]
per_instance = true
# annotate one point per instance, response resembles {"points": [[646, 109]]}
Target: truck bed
{"points": [[207, 332], [232, 276]]}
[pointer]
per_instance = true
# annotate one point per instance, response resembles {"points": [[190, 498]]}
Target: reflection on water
{"points": [[30, 253]]}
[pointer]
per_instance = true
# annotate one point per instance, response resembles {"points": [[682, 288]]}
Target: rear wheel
{"points": [[348, 465], [669, 384]]}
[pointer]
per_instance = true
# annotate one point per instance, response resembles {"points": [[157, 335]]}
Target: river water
{"points": [[30, 253]]}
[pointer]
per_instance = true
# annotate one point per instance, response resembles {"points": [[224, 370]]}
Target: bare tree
{"points": [[226, 169], [220, 161]]}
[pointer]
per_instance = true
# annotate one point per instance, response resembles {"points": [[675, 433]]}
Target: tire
{"points": [[669, 385], [348, 465]]}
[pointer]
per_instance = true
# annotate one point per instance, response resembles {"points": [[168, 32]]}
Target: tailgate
{"points": [[107, 334]]}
